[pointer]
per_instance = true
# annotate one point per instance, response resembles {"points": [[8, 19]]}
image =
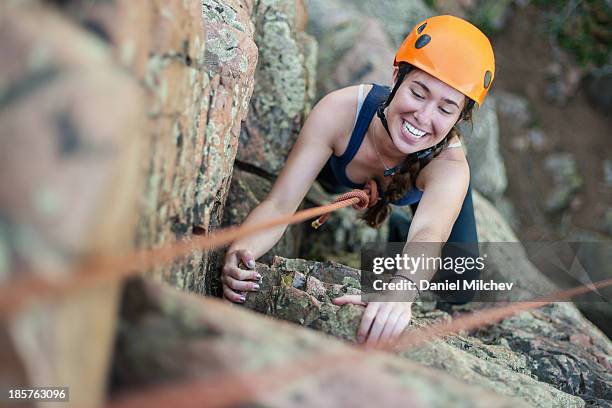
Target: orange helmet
{"points": [[452, 50]]}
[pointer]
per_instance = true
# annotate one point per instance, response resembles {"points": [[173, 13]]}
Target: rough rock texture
{"points": [[487, 169], [562, 348], [283, 92], [196, 61], [358, 39], [398, 17], [66, 192], [246, 191], [201, 78], [284, 85], [497, 240], [299, 291], [353, 48], [567, 181], [168, 336]]}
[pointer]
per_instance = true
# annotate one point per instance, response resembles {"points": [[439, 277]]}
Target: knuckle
{"points": [[232, 283], [369, 315], [235, 272]]}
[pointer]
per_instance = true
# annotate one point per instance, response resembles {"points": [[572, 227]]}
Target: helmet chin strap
{"points": [[423, 155]]}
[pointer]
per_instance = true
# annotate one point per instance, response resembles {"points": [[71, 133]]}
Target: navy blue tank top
{"points": [[338, 163]]}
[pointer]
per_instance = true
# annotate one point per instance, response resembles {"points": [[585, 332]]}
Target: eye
{"points": [[417, 95], [446, 112]]}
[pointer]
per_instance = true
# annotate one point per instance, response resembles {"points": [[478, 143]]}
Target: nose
{"points": [[424, 113]]}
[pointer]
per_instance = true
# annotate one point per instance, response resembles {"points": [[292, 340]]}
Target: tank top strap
{"points": [[366, 112], [359, 103]]}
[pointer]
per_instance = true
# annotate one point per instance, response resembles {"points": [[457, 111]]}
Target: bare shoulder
{"points": [[449, 167], [336, 111]]}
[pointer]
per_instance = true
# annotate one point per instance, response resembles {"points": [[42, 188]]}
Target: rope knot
{"points": [[367, 198]]}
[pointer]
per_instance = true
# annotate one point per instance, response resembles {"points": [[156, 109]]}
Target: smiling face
{"points": [[422, 112]]}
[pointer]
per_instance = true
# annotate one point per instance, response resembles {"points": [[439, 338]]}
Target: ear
{"points": [[395, 71]]}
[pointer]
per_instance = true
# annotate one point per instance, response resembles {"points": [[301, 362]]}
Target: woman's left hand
{"points": [[381, 321]]}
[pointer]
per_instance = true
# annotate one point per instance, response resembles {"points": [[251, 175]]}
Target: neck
{"points": [[385, 145]]}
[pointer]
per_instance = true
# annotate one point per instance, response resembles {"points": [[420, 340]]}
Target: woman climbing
{"points": [[404, 138]]}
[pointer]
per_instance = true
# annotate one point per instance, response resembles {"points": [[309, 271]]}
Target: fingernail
{"points": [[258, 277], [251, 263], [255, 286], [242, 299]]}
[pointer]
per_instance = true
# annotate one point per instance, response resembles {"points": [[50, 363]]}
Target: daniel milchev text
{"points": [[411, 264]]}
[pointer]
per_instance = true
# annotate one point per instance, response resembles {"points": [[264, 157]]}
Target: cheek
{"points": [[402, 105], [444, 125]]}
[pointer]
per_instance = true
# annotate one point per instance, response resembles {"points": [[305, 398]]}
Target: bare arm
{"points": [[308, 156], [306, 159], [446, 182]]}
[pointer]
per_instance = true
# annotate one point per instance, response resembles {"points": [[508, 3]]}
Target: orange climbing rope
{"points": [[20, 291], [367, 198]]}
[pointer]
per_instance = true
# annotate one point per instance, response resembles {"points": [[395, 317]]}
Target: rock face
{"points": [[246, 191], [497, 239], [196, 61], [67, 192], [504, 358], [487, 168], [201, 78], [353, 48], [167, 337], [566, 180], [398, 17], [136, 107], [284, 85], [358, 39], [562, 349]]}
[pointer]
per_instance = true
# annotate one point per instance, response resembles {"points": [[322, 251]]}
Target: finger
{"points": [[346, 299], [387, 331], [232, 296], [231, 258], [240, 285], [379, 324], [366, 321], [247, 258], [400, 326], [241, 274]]}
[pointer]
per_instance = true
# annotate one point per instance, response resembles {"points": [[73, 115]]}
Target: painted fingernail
{"points": [[242, 299], [258, 277], [251, 263], [255, 286]]}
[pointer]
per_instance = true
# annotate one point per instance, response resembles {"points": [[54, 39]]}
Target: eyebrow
{"points": [[445, 99]]}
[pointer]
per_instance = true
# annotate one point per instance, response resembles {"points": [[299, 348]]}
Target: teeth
{"points": [[414, 131]]}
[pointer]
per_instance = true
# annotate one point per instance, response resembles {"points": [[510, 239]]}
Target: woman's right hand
{"points": [[236, 281]]}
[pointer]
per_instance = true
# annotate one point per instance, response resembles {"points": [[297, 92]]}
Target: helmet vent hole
{"points": [[422, 41], [487, 79], [421, 28]]}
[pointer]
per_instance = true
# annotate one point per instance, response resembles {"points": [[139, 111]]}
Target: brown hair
{"points": [[404, 180]]}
